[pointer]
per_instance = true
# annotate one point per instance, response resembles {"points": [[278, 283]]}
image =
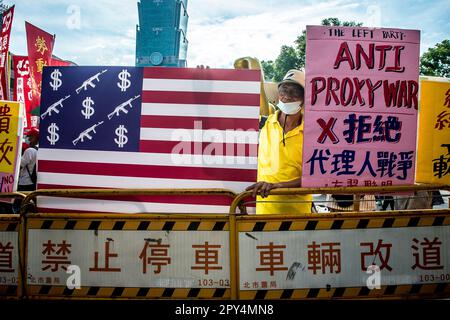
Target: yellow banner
{"points": [[433, 153], [11, 129]]}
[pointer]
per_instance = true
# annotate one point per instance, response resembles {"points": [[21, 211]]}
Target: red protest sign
{"points": [[22, 84]]}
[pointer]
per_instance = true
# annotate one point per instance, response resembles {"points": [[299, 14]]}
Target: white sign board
{"points": [[175, 259], [9, 258], [341, 258]]}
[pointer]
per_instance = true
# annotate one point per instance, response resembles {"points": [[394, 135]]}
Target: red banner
{"points": [[22, 86], [40, 47], [4, 48]]}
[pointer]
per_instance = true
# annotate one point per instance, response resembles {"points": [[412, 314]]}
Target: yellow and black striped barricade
{"points": [[10, 250], [105, 256], [395, 254]]}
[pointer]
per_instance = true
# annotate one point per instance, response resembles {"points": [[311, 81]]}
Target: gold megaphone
{"points": [[269, 91]]}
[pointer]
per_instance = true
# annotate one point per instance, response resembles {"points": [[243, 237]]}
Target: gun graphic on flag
{"points": [[54, 107], [85, 133], [89, 82], [121, 107]]}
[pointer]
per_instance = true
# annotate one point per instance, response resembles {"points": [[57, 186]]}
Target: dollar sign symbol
{"points": [[120, 132], [54, 137], [88, 110], [125, 83], [57, 82]]}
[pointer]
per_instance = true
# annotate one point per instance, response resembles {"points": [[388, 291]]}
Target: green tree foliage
{"points": [[269, 69], [293, 57], [436, 61], [288, 59]]}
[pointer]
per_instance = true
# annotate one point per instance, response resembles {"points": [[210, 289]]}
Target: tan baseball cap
{"points": [[294, 76]]}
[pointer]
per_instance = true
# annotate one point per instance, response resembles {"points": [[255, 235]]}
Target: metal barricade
{"points": [[29, 202], [223, 256], [336, 255], [10, 249], [123, 256], [357, 193]]}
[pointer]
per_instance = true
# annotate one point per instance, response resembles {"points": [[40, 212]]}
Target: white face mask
{"points": [[289, 107]]}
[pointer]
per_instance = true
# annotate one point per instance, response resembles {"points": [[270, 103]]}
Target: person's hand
{"points": [[262, 187]]}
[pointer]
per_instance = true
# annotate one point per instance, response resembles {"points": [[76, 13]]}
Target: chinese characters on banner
{"points": [[433, 160], [11, 129], [9, 258], [4, 48], [361, 106], [341, 258], [179, 259], [40, 48], [22, 86]]}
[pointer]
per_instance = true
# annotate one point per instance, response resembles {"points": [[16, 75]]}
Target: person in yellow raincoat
{"points": [[280, 151]]}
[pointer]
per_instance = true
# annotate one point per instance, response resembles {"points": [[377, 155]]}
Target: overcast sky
{"points": [[219, 31]]}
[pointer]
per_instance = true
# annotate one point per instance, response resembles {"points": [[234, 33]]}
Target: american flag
{"points": [[129, 127]]}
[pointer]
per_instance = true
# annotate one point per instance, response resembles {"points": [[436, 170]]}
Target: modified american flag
{"points": [[130, 127]]}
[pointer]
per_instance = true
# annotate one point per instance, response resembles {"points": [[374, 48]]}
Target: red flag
{"points": [[22, 86], [4, 48], [40, 48]]}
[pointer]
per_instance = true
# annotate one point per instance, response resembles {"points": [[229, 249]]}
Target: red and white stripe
{"points": [[190, 110]]}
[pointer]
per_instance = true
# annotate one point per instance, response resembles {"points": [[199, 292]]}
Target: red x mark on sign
{"points": [[327, 130]]}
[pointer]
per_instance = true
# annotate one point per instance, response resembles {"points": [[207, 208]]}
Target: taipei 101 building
{"points": [[161, 33]]}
